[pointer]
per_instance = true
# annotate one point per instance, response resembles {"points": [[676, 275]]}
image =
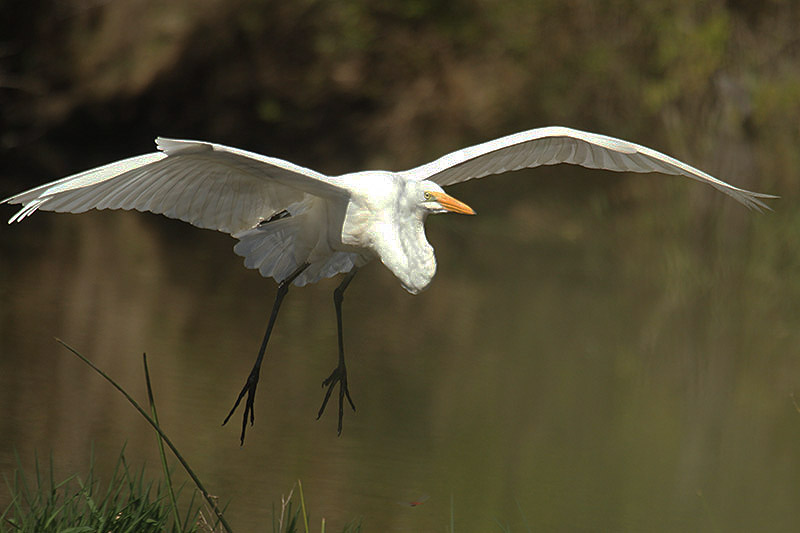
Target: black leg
{"points": [[339, 374], [252, 380]]}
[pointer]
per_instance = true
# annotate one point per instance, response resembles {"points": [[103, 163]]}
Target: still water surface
{"points": [[581, 362]]}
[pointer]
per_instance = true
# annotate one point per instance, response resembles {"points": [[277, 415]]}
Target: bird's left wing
{"points": [[556, 144], [208, 185]]}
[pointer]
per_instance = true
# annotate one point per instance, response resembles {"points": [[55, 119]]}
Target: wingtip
{"points": [[758, 203]]}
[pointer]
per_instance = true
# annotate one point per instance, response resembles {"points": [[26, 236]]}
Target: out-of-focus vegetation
{"points": [[401, 80], [341, 86]]}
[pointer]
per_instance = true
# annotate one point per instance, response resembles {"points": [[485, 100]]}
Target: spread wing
{"points": [[208, 185], [553, 145]]}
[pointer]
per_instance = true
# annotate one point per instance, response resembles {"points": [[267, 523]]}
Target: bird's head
{"points": [[433, 199]]}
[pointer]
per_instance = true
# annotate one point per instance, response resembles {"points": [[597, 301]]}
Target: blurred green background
{"points": [[598, 351]]}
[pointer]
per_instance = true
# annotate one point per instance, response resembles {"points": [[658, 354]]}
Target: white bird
{"points": [[299, 226]]}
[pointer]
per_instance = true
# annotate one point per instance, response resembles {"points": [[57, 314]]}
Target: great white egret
{"points": [[299, 226]]}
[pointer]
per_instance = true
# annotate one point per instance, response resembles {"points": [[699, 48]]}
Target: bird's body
{"points": [[334, 234], [299, 226]]}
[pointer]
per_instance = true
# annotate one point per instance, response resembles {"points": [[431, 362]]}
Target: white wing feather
{"points": [[208, 185], [276, 250], [553, 145]]}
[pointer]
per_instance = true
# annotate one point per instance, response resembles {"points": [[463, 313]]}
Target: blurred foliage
{"points": [[345, 85], [400, 80]]}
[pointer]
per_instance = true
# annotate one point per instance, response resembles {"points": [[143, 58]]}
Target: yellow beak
{"points": [[451, 204]]}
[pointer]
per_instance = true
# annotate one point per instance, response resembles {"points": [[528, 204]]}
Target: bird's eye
{"points": [[428, 196]]}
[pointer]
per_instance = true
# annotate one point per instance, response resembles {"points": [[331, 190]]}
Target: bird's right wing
{"points": [[208, 185], [556, 144]]}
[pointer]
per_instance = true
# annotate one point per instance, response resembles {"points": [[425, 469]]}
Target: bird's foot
{"points": [[250, 389], [339, 375]]}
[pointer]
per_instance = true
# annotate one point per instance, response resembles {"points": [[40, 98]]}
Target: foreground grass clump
{"points": [[126, 503]]}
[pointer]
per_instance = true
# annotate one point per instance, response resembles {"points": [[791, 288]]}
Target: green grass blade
{"points": [[212, 504], [452, 515], [524, 518], [161, 452], [303, 505]]}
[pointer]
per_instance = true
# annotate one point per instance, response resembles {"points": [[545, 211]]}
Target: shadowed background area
{"points": [[598, 351]]}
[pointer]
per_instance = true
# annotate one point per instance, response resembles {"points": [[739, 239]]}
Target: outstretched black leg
{"points": [[339, 374], [252, 380]]}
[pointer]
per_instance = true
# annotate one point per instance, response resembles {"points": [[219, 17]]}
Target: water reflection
{"points": [[573, 366]]}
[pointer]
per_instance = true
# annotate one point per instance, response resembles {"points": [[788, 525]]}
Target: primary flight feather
{"points": [[299, 226]]}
